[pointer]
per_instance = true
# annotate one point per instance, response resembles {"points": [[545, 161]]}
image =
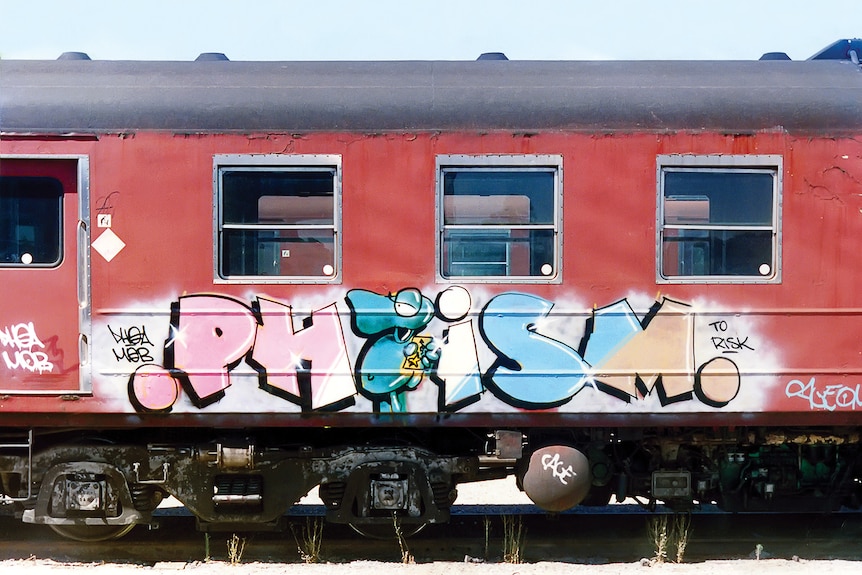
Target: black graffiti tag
{"points": [[728, 343], [134, 345]]}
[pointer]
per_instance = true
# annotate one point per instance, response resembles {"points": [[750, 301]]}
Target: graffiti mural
{"points": [[531, 370], [211, 335], [395, 358], [632, 357], [457, 374], [406, 341]]}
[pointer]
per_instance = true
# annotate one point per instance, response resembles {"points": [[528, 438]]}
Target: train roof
{"points": [[84, 96]]}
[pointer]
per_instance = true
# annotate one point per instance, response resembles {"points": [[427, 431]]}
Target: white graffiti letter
{"points": [[557, 467], [22, 338], [828, 397]]}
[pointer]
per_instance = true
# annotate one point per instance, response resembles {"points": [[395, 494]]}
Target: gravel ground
{"points": [[764, 567]]}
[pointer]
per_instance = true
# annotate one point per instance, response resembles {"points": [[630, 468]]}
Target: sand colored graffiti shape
{"points": [[632, 358]]}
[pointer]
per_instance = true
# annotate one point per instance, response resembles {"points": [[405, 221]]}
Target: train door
{"points": [[44, 277]]}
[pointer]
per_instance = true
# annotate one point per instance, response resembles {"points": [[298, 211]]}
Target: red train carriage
{"points": [[232, 282]]}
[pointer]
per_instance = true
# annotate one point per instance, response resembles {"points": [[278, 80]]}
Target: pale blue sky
{"points": [[424, 30]]}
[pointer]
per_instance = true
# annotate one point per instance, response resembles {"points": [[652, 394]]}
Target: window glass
{"points": [[718, 222], [30, 221], [278, 222], [499, 221], [494, 197]]}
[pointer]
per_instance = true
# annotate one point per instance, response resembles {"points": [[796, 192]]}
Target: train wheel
{"points": [[92, 533], [383, 531]]}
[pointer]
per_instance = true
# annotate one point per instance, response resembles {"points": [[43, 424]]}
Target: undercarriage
{"points": [[97, 487]]}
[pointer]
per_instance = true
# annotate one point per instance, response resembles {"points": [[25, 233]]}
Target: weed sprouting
{"points": [[235, 548], [513, 539], [309, 539], [406, 556], [664, 534]]}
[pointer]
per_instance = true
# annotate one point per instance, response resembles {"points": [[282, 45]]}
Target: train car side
{"points": [[384, 304]]}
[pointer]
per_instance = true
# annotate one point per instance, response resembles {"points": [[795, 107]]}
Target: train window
{"points": [[718, 218], [31, 216], [278, 218], [499, 218]]}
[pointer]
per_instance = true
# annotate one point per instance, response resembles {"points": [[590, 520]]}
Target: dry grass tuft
{"points": [[406, 556], [235, 548], [513, 539], [309, 539], [664, 534], [657, 529]]}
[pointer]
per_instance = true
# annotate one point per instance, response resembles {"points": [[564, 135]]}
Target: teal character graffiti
{"points": [[395, 357]]}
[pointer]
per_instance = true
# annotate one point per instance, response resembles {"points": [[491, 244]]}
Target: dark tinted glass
{"points": [[30, 221]]}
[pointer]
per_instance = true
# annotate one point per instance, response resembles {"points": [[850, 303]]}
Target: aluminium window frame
{"points": [[275, 162], [739, 163], [502, 162]]}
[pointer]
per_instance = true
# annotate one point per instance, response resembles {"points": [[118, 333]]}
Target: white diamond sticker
{"points": [[108, 244]]}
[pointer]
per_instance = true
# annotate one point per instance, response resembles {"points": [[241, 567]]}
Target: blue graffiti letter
{"points": [[531, 370]]}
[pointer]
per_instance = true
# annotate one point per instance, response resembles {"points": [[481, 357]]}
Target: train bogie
{"points": [[235, 282]]}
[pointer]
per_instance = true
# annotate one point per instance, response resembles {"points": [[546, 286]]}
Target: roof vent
{"points": [[212, 57], [492, 56], [775, 56], [74, 56]]}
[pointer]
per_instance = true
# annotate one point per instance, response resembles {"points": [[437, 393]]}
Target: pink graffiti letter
{"points": [[210, 335], [285, 357]]}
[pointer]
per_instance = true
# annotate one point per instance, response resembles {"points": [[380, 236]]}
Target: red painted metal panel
{"points": [[39, 329], [796, 343]]}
